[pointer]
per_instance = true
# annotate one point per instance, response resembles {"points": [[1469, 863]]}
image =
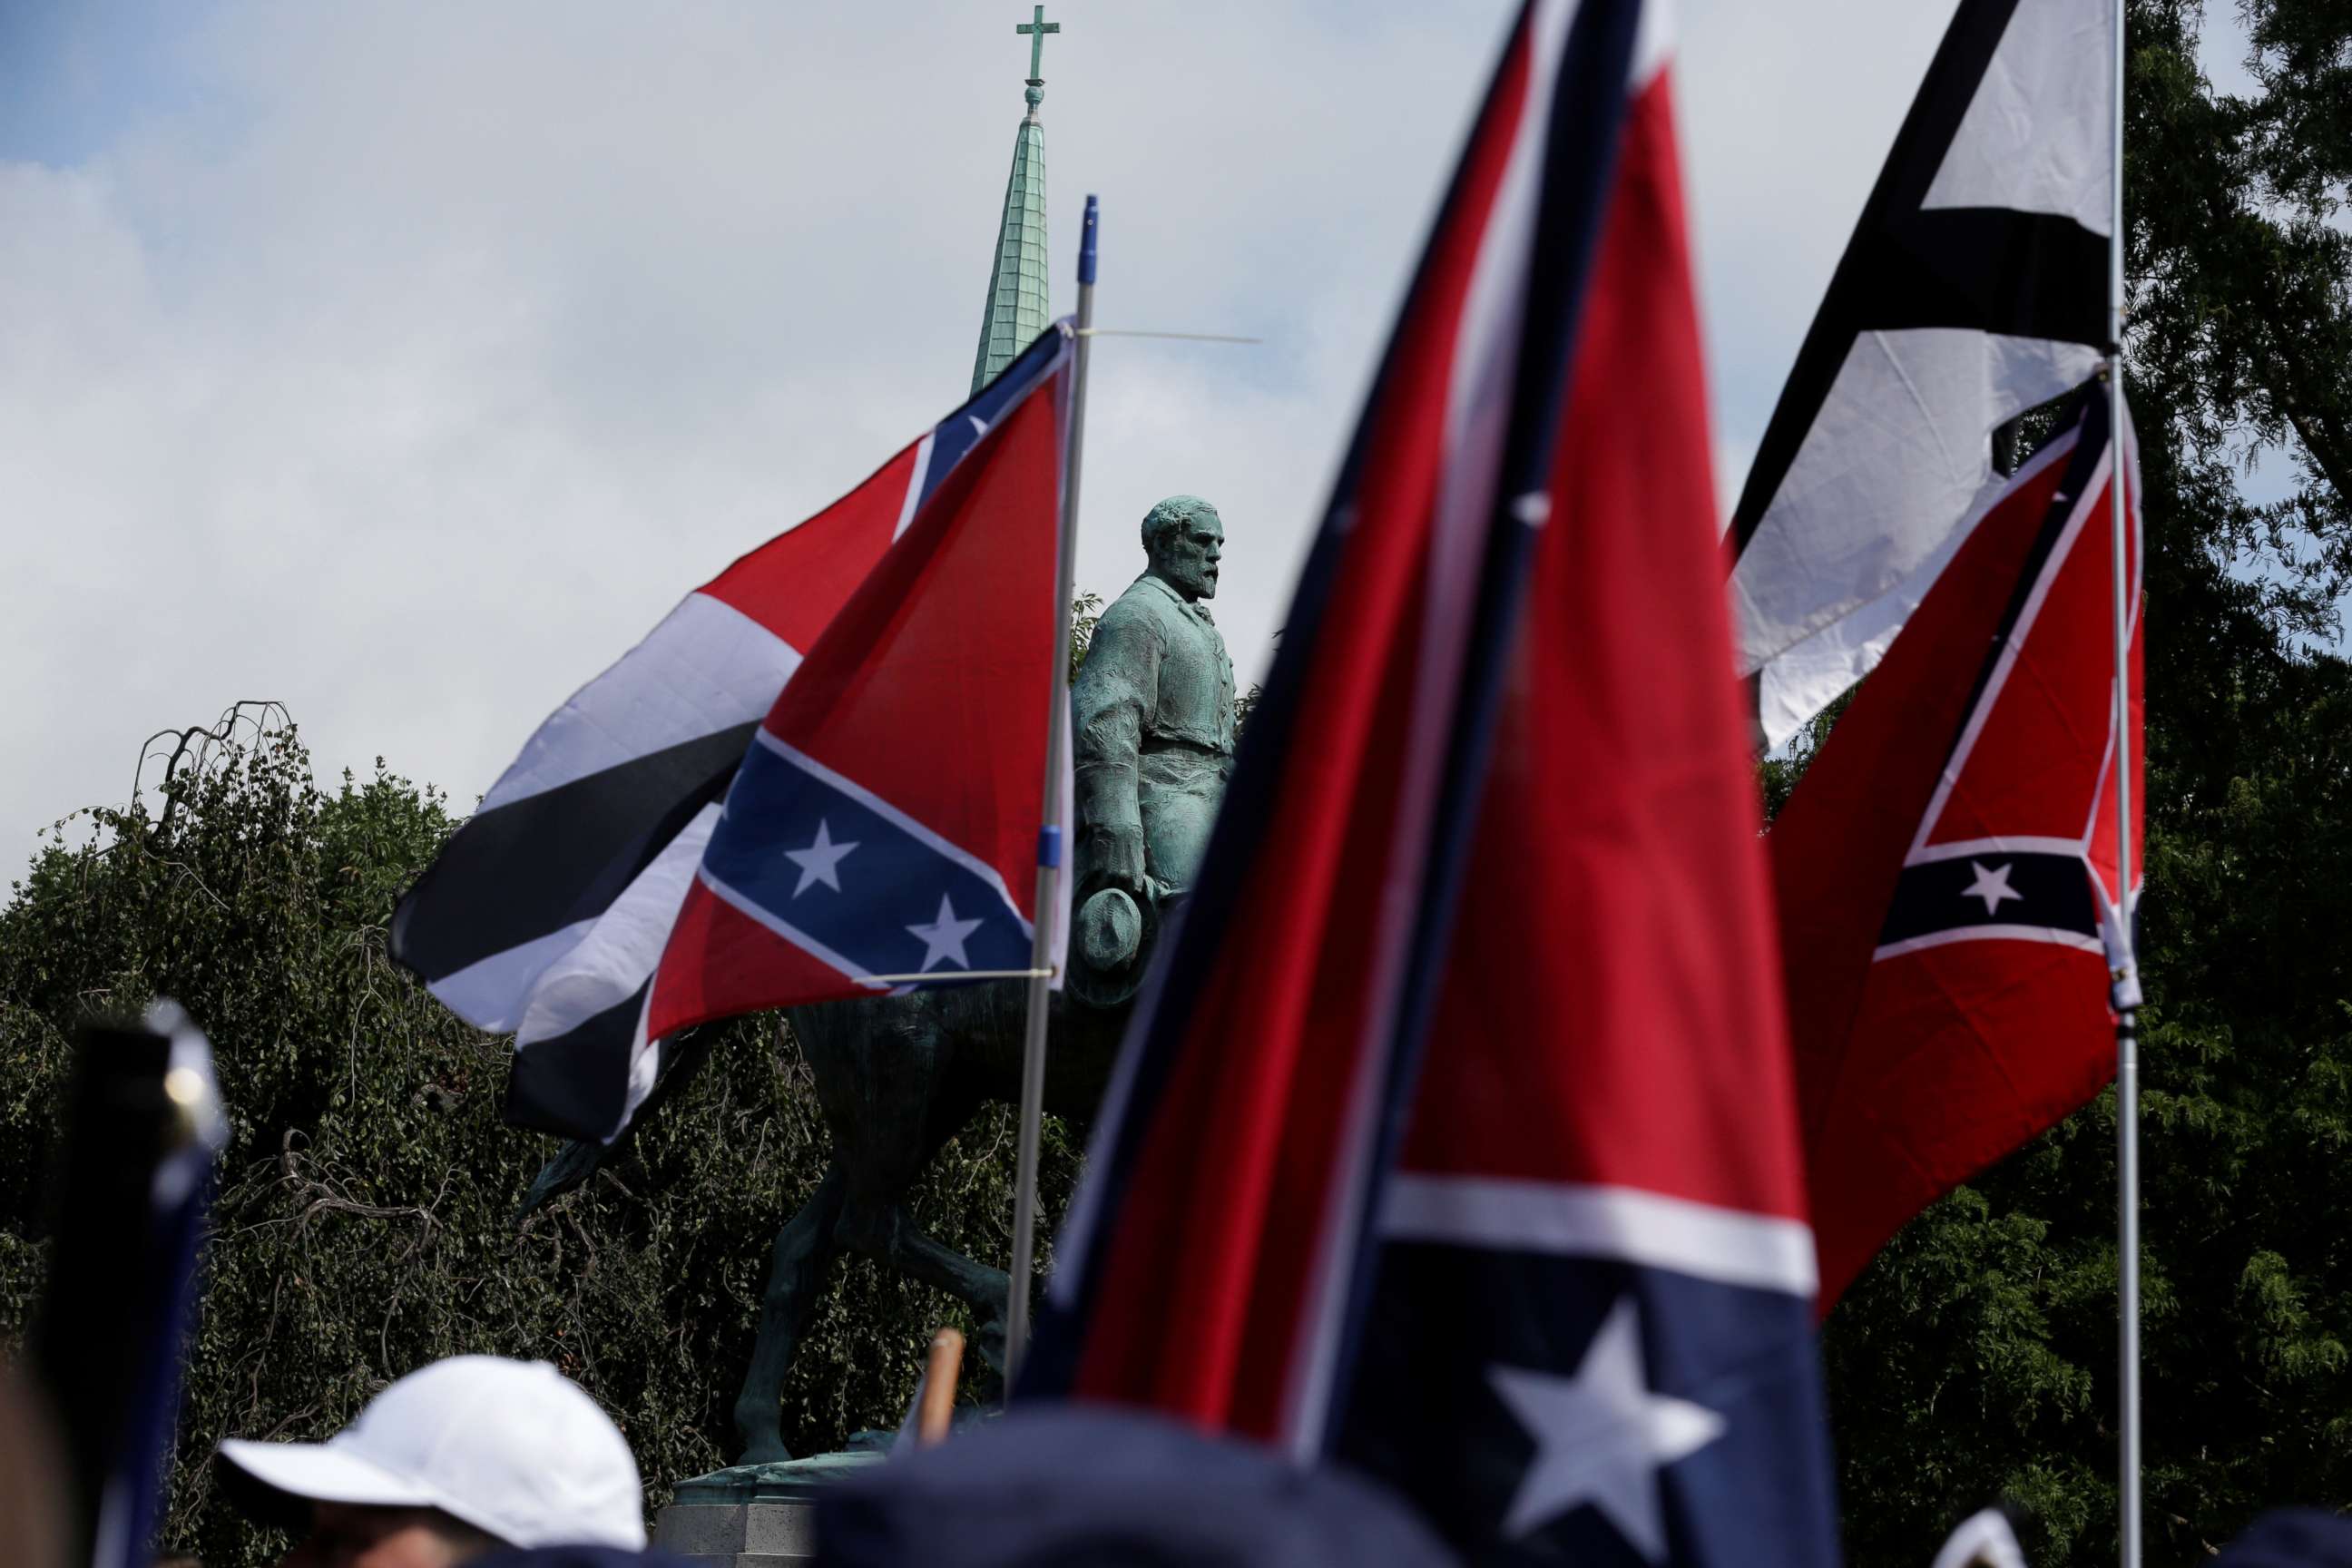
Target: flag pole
{"points": [[1051, 841], [2126, 975]]}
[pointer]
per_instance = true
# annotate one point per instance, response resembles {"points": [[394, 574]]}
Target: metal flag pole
{"points": [[1051, 839], [2126, 992]]}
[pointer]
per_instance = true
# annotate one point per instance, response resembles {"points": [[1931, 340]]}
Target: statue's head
{"points": [[1184, 536]]}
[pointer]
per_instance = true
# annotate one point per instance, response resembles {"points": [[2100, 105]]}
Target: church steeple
{"points": [[1020, 302]]}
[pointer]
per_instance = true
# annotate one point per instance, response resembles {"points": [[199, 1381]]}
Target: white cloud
{"points": [[406, 361]]}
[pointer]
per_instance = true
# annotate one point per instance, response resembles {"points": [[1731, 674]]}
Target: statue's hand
{"points": [[1119, 856]]}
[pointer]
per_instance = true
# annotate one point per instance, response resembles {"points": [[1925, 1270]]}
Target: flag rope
{"points": [[2126, 975]]}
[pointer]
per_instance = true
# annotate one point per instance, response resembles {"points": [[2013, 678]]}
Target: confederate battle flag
{"points": [[1945, 870], [1455, 1138]]}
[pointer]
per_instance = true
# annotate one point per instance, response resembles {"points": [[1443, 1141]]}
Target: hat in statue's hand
{"points": [[1110, 943]]}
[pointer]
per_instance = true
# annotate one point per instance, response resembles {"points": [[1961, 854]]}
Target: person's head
{"points": [[458, 1459], [360, 1535], [1184, 536]]}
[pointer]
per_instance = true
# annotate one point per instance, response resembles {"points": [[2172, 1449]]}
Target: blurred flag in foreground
{"points": [[1945, 868], [548, 911], [143, 1127], [1456, 1137]]}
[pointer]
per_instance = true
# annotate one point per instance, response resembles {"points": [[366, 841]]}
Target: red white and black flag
{"points": [[1974, 288], [548, 911], [1945, 869], [1455, 1138]]}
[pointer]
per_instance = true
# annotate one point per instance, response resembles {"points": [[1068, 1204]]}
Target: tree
{"points": [[365, 1218], [1976, 1357]]}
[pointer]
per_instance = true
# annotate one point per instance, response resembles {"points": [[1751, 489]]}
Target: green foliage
{"points": [[365, 1219], [1775, 777], [1977, 1358]]}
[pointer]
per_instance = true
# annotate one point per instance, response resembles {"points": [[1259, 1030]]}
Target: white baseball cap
{"points": [[514, 1448]]}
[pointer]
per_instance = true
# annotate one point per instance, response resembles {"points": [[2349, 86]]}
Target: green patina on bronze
{"points": [[1019, 296], [1152, 745]]}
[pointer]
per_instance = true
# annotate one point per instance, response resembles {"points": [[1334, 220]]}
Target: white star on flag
{"points": [[1602, 1436], [1991, 886], [821, 861], [943, 938]]}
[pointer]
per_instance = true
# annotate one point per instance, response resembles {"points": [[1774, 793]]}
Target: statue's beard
{"points": [[1197, 584]]}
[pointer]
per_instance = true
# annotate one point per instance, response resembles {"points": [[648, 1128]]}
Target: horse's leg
{"points": [[803, 1247], [984, 1289]]}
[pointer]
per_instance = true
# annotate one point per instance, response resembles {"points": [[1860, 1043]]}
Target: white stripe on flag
{"points": [[1898, 456], [624, 944], [915, 483], [2053, 936], [1807, 677], [707, 667], [494, 993], [2020, 844], [2035, 138], [620, 950], [1730, 1247]]}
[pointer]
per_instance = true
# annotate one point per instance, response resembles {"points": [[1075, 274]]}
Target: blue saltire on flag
{"points": [[915, 904]]}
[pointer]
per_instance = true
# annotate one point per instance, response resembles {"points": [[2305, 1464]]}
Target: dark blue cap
{"points": [[1070, 1484]]}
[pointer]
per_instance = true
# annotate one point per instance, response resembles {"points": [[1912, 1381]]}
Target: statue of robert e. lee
{"points": [[1153, 712]]}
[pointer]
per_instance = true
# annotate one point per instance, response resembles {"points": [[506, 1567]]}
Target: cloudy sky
{"points": [[405, 361]]}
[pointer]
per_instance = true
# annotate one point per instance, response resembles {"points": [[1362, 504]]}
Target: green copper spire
{"points": [[1020, 301]]}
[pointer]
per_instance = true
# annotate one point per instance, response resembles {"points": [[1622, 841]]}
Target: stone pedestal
{"points": [[754, 1516]]}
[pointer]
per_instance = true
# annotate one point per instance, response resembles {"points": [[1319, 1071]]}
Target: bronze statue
{"points": [[897, 1077], [1152, 745]]}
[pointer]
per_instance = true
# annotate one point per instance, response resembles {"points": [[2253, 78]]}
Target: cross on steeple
{"points": [[1035, 29]]}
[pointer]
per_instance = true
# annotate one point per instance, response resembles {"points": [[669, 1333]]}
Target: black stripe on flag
{"points": [[520, 871]]}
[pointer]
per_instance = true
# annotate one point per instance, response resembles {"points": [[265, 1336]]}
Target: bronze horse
{"points": [[895, 1078]]}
